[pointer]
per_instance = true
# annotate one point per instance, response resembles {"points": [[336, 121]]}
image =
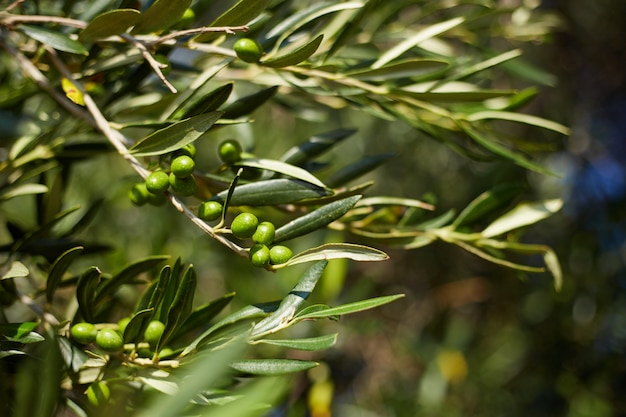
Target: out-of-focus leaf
{"points": [[109, 23], [315, 146], [281, 168], [449, 96], [17, 270], [394, 201], [338, 251], [281, 318], [203, 315], [310, 344], [350, 307], [419, 242], [521, 118], [405, 69], [175, 136], [58, 269], [15, 332], [554, 266], [522, 215], [272, 366], [472, 248], [315, 220], [85, 292], [272, 192], [425, 34], [240, 14], [165, 386], [161, 15], [129, 273], [22, 189], [54, 39], [246, 105], [481, 66], [296, 56], [210, 102], [487, 202]]}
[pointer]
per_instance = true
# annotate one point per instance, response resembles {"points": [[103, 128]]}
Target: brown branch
{"points": [[231, 30]]}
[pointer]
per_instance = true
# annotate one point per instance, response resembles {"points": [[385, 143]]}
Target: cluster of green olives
{"points": [[179, 179], [246, 226], [110, 338]]}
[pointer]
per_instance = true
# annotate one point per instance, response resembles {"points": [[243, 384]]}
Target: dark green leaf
{"points": [[405, 69], [176, 135], [203, 315], [17, 331], [350, 308], [110, 23], [272, 192], [129, 273], [487, 202], [54, 39], [296, 56], [246, 105], [161, 15], [58, 269], [357, 169], [315, 146], [133, 333], [272, 366], [172, 283], [210, 102], [240, 14], [85, 292], [309, 344], [316, 219], [180, 309]]}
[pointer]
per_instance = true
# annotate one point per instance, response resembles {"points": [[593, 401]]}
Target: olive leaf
{"points": [[281, 168], [337, 251], [54, 39], [272, 366], [85, 292], [308, 344], [271, 192], [161, 15], [296, 56], [58, 269], [108, 24]]}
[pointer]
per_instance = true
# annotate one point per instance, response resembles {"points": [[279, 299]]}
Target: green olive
{"points": [[121, 325], [139, 194], [183, 166], [264, 233], [230, 151], [259, 255], [280, 254], [210, 211], [189, 150], [248, 50], [244, 225], [84, 332], [98, 393], [157, 182], [109, 340], [185, 186], [153, 332]]}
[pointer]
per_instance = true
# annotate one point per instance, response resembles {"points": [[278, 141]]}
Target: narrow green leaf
{"points": [[419, 37], [171, 287], [17, 270], [210, 102], [85, 292], [272, 366], [54, 39], [17, 331], [338, 251], [271, 192], [481, 66], [161, 15], [240, 14], [129, 273], [10, 192], [406, 69], [133, 333], [281, 168], [181, 307], [419, 242], [315, 146], [109, 23], [281, 318], [487, 202], [58, 269], [296, 56], [316, 219], [521, 118], [175, 136], [246, 105], [394, 201], [203, 315], [554, 266], [450, 96], [494, 259], [309, 344], [522, 215], [350, 307]]}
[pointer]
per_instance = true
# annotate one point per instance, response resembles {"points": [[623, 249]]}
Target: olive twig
{"points": [[150, 59], [231, 30]]}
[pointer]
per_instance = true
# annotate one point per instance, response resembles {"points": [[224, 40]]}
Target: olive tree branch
{"points": [[230, 30]]}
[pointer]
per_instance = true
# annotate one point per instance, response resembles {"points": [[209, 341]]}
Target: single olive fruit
{"points": [[139, 194], [264, 233], [98, 393], [84, 332], [157, 182], [244, 225], [230, 151], [248, 50], [153, 332], [280, 254], [189, 150], [109, 340], [210, 211], [185, 186], [183, 166], [121, 325], [259, 255], [166, 352]]}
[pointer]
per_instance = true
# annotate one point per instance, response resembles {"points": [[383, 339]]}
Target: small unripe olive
{"points": [[121, 325], [244, 225], [183, 166], [84, 332], [264, 233], [248, 50], [153, 332], [98, 393], [139, 194], [109, 340], [210, 211], [259, 255], [157, 182], [185, 186], [189, 150], [280, 254], [165, 352], [156, 199], [230, 151]]}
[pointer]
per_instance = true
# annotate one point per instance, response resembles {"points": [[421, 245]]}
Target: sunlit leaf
{"points": [[338, 251], [272, 366], [522, 215], [521, 118], [296, 56], [311, 344], [16, 270], [281, 168], [10, 192]]}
